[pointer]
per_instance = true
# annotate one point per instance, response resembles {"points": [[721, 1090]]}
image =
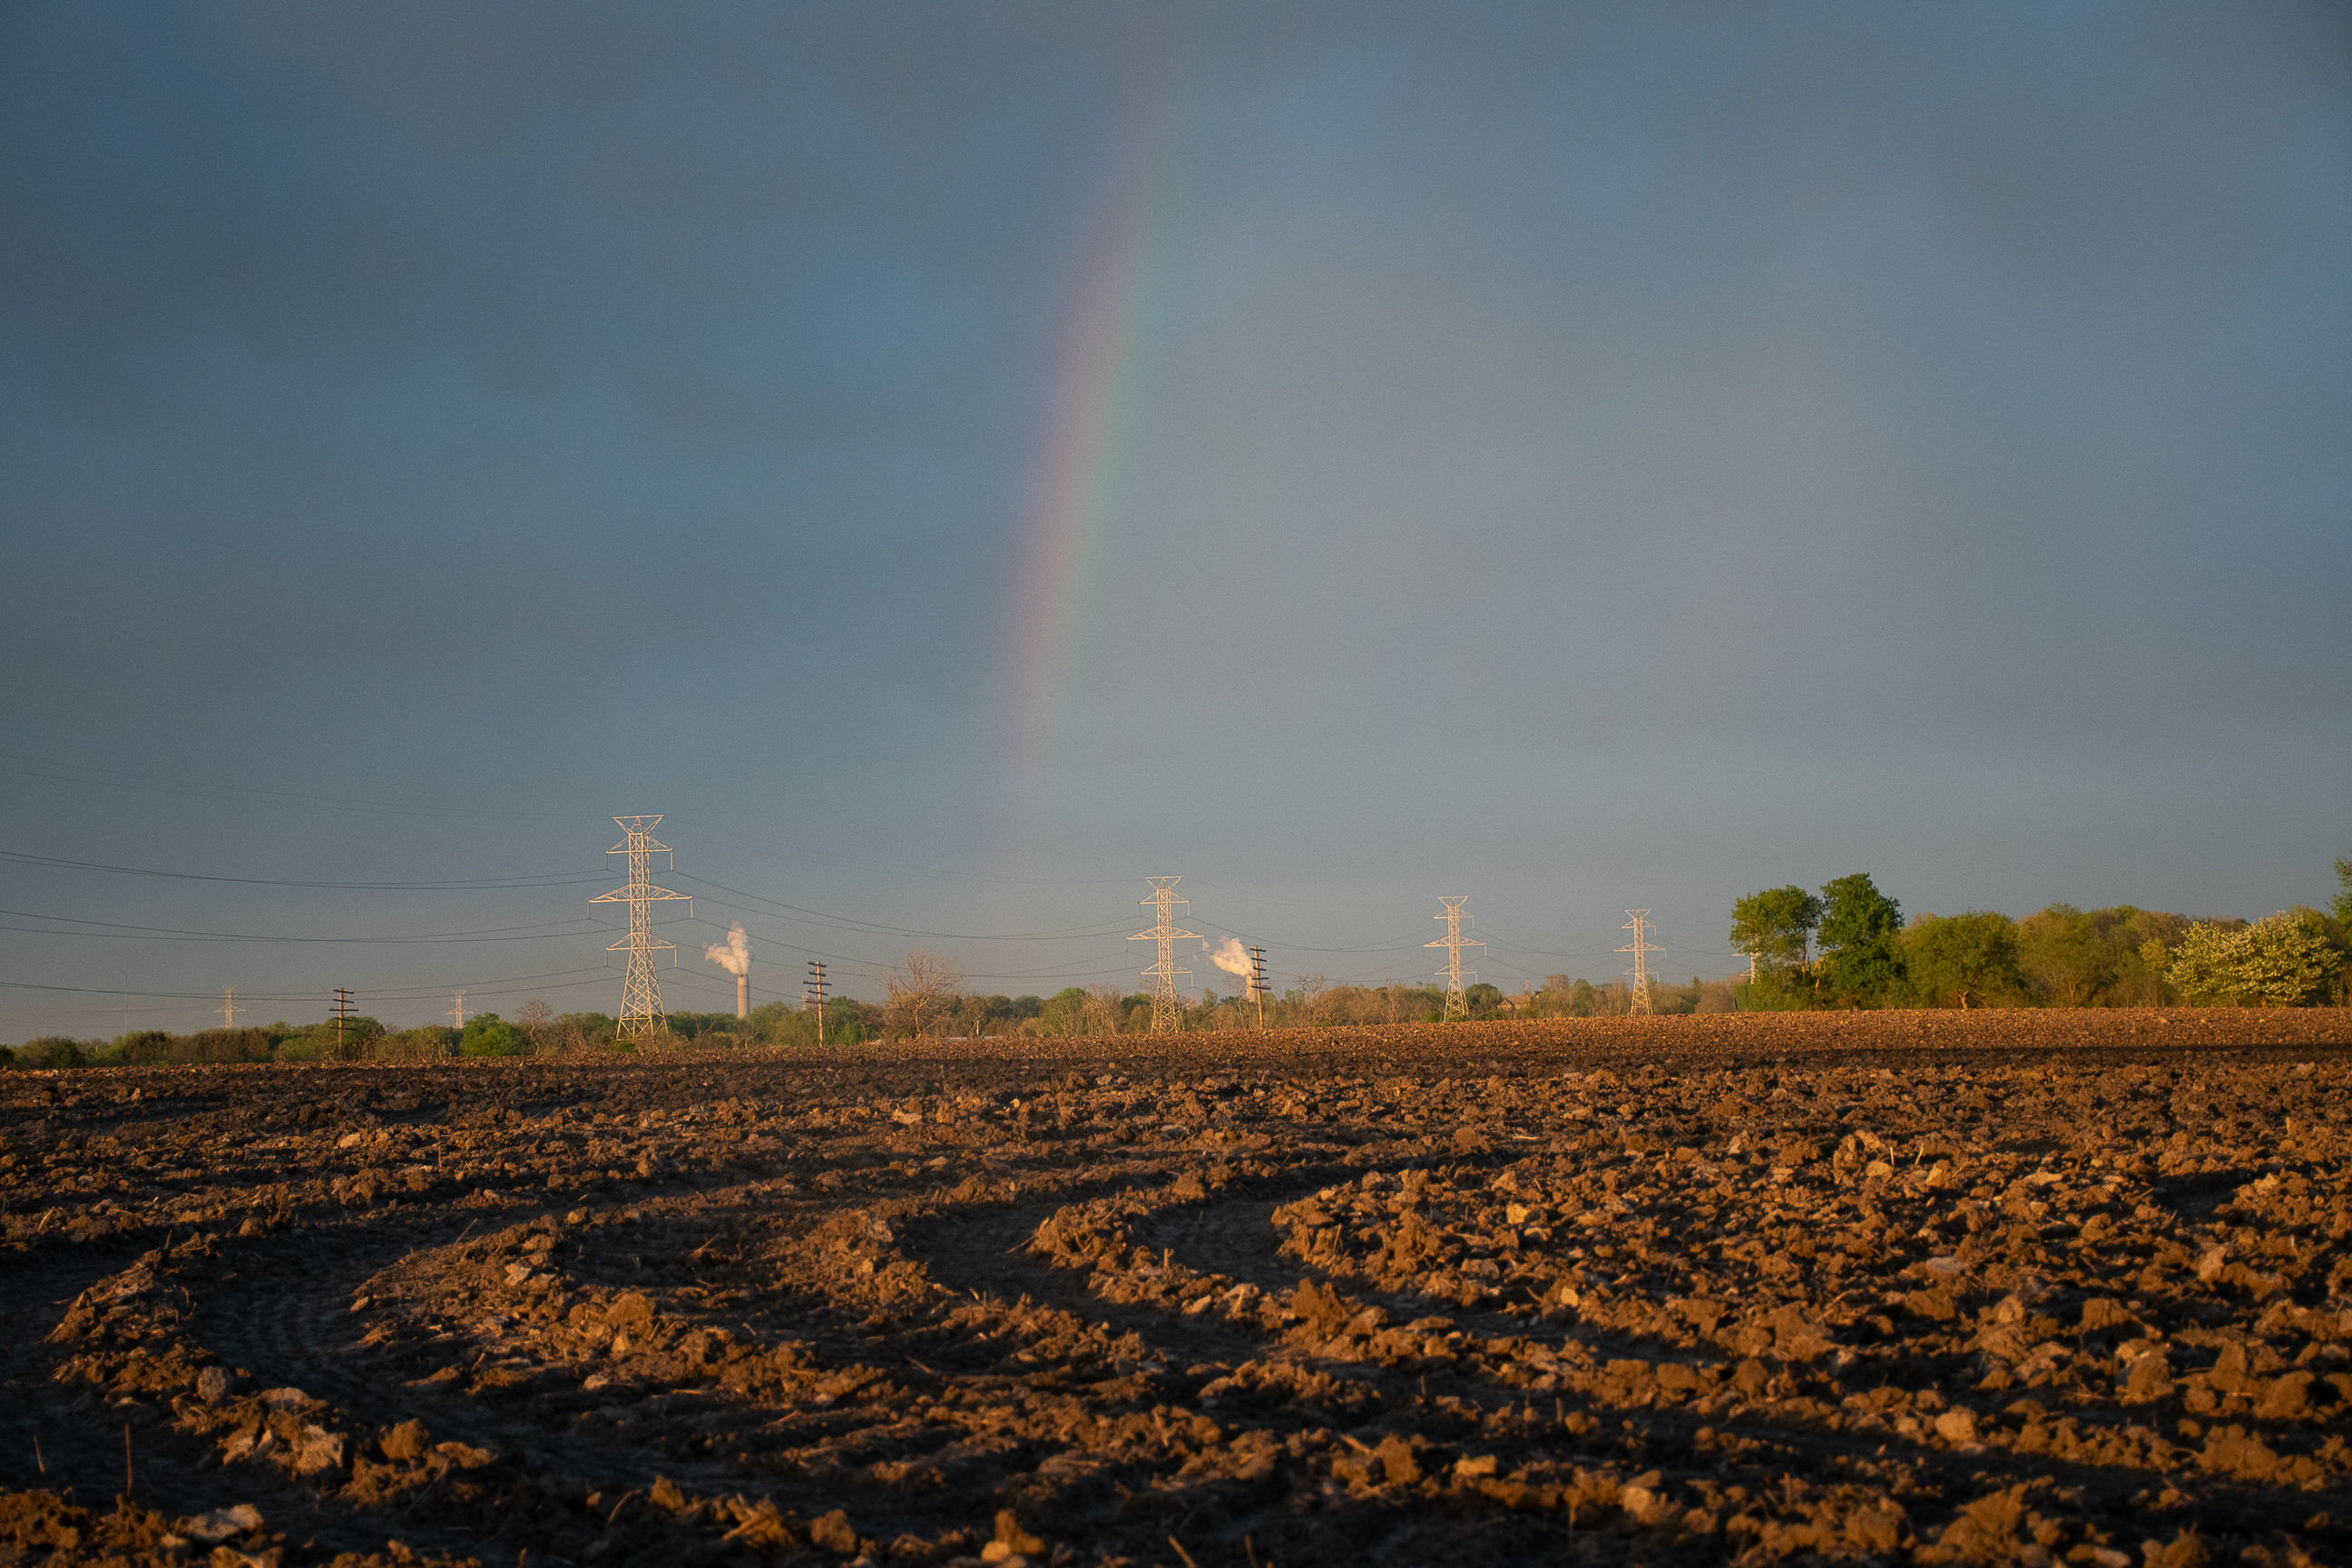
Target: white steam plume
{"points": [[1229, 955], [734, 956]]}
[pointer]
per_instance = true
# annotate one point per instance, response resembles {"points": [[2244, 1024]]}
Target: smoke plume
{"points": [[1230, 955], [734, 955]]}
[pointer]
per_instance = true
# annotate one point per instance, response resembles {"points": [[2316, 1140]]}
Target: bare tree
{"points": [[1320, 999], [971, 1017], [533, 1016], [922, 987], [1104, 1007]]}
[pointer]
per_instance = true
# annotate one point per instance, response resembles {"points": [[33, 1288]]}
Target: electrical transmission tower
{"points": [[1166, 1008], [1641, 949], [1257, 982], [1457, 979], [229, 1006], [458, 1010], [641, 1003], [342, 1016], [814, 991]]}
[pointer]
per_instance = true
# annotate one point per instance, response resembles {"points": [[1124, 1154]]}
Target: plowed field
{"points": [[1899, 1288]]}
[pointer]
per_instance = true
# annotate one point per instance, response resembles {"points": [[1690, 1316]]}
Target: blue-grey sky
{"points": [[1578, 456]]}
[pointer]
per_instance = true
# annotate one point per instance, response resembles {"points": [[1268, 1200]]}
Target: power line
{"points": [[851, 923], [156, 784], [535, 879], [397, 993], [1603, 953], [1402, 944], [127, 931]]}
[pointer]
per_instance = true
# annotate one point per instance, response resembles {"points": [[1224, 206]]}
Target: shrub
{"points": [[1970, 959], [147, 1048], [431, 1043], [246, 1045], [50, 1051], [2283, 960], [488, 1035]]}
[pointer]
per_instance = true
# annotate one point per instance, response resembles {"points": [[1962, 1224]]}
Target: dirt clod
{"points": [[2036, 1288]]}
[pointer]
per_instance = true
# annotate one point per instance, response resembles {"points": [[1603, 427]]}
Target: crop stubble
{"points": [[2024, 1287]]}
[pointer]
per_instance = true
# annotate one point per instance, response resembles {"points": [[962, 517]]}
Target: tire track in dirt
{"points": [[69, 1427], [787, 1339], [298, 1325], [80, 1430], [1235, 1237]]}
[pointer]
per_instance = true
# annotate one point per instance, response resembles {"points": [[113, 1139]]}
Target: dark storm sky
{"points": [[1576, 456]]}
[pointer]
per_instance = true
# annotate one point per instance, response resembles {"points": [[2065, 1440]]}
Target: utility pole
{"points": [[641, 1003], [458, 1010], [1257, 982], [1641, 948], [228, 1007], [814, 991], [1166, 1009], [1457, 979], [342, 1013]]}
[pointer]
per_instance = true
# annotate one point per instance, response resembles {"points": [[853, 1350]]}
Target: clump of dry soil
{"points": [[1895, 1287]]}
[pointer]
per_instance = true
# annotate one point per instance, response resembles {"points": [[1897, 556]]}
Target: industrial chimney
{"points": [[734, 956]]}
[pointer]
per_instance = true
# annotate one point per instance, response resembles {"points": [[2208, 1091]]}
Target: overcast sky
{"points": [[1576, 456]]}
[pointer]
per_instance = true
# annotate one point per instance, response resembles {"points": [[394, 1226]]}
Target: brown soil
{"points": [[1934, 1287]]}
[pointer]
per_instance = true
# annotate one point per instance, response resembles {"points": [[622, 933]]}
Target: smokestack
{"points": [[1232, 957], [735, 957]]}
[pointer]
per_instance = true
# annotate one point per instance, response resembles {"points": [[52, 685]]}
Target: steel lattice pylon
{"points": [[641, 1003], [1641, 948], [1457, 979], [1166, 1008]]}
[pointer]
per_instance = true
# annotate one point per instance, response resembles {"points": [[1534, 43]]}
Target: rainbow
{"points": [[1092, 405]]}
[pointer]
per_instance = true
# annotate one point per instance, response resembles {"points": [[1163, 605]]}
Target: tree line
{"points": [[1849, 946]]}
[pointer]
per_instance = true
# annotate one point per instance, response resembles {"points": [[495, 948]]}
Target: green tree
{"points": [[2283, 960], [1862, 951], [2342, 908], [1968, 960], [1063, 1013], [2144, 942], [51, 1051], [145, 1047], [488, 1035], [1776, 925], [2060, 950]]}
